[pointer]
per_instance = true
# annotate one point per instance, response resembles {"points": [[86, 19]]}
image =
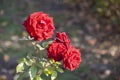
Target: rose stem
{"points": [[36, 51]]}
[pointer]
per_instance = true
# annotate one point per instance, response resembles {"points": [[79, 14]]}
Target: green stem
{"points": [[36, 51]]}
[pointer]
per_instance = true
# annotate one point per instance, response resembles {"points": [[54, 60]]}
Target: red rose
{"points": [[56, 51], [39, 26], [71, 59], [63, 38], [59, 46]]}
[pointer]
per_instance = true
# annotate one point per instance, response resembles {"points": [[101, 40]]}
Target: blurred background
{"points": [[92, 25]]}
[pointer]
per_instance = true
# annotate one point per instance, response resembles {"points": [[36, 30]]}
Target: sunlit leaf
{"points": [[46, 72], [59, 70], [20, 67], [53, 75], [42, 63], [52, 61], [39, 47], [32, 72], [49, 70], [58, 63]]}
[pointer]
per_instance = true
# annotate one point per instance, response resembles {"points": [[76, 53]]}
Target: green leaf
{"points": [[29, 56], [59, 70], [37, 78], [53, 75], [21, 60], [32, 72], [22, 75], [48, 70], [44, 44], [39, 47], [42, 63], [58, 63], [39, 65], [52, 61], [20, 67]]}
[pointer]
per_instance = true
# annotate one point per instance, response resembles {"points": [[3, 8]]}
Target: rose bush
{"points": [[39, 26], [59, 52]]}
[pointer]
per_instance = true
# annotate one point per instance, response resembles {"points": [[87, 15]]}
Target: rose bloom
{"points": [[59, 46], [72, 59], [56, 51], [62, 38], [39, 26]]}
